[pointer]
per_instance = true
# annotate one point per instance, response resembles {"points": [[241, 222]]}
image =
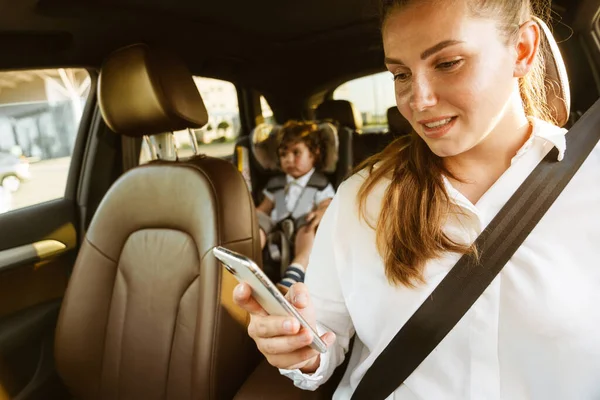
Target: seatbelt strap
{"points": [[306, 201], [467, 280], [277, 185]]}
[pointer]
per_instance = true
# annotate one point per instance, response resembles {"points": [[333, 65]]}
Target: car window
{"points": [[372, 95], [217, 138], [40, 112]]}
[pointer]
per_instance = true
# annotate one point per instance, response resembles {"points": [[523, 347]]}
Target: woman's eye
{"points": [[448, 64], [401, 77]]}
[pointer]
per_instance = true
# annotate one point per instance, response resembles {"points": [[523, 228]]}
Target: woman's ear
{"points": [[527, 45]]}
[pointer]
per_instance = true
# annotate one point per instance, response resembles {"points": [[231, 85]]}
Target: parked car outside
{"points": [[13, 171]]}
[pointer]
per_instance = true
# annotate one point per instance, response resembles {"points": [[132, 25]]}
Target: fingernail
{"points": [[239, 290], [288, 325], [329, 339], [301, 299]]}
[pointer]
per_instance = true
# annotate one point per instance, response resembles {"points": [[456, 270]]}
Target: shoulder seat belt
{"points": [[277, 185], [467, 280]]}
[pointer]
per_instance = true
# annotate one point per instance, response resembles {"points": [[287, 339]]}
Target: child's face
{"points": [[296, 159]]}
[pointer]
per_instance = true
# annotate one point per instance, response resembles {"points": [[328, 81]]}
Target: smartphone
{"points": [[263, 290]]}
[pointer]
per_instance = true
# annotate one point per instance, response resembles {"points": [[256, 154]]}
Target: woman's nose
{"points": [[423, 94]]}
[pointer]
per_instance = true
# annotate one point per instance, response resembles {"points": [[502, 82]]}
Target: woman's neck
{"points": [[479, 168]]}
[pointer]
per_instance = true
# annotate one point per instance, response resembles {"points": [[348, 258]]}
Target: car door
{"points": [[45, 117]]}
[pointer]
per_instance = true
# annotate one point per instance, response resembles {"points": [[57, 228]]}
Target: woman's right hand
{"points": [[282, 340]]}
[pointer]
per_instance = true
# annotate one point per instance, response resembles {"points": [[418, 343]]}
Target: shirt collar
{"points": [[549, 133], [301, 181], [543, 130]]}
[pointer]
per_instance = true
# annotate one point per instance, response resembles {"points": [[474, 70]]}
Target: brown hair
{"points": [[307, 132], [415, 206]]}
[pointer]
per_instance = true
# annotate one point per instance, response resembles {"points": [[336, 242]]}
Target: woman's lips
{"points": [[436, 128]]}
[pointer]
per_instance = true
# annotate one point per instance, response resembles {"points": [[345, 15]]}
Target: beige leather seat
{"points": [[148, 312]]}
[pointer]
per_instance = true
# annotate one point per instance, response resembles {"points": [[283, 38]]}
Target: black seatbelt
{"points": [[467, 280]]}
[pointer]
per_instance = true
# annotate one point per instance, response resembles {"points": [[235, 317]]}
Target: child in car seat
{"points": [[295, 200]]}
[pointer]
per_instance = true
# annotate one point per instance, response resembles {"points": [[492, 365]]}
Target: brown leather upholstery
{"points": [[342, 111], [558, 94], [148, 311], [144, 91]]}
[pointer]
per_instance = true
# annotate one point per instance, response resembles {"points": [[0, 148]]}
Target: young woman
{"points": [[469, 77]]}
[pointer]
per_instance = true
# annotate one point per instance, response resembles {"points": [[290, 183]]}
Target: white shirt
{"points": [[533, 334], [295, 188]]}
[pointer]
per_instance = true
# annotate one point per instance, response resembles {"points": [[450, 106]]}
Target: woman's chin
{"points": [[444, 150]]}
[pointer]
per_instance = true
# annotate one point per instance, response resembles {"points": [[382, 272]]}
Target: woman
{"points": [[468, 76]]}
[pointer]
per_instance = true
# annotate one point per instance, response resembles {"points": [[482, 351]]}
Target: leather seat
{"points": [[341, 111], [348, 117], [349, 121], [368, 144], [148, 313]]}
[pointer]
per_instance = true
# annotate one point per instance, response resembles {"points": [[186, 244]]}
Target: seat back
{"points": [[349, 122], [341, 111], [148, 312], [368, 144]]}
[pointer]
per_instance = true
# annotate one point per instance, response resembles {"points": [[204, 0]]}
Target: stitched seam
{"points": [[100, 251], [112, 293], [175, 333], [213, 356], [122, 334]]}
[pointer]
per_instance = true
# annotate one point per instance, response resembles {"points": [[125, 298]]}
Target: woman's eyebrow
{"points": [[438, 47], [427, 53]]}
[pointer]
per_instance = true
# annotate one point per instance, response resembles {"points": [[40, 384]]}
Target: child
{"points": [[295, 202]]}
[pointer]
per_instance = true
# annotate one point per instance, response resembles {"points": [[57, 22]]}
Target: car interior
{"points": [[108, 286]]}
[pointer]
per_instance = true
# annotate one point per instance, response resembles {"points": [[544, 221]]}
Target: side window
{"points": [[40, 112], [372, 95], [217, 138]]}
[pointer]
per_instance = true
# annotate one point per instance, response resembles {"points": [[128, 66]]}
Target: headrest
{"points": [[558, 94], [265, 139], [144, 91], [341, 111], [397, 123]]}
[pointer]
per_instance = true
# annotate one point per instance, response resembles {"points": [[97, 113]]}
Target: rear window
{"points": [[217, 138], [372, 95]]}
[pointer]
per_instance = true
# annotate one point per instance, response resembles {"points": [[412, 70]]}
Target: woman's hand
{"points": [[283, 342]]}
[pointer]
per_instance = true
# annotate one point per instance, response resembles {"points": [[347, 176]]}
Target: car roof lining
{"points": [[278, 48]]}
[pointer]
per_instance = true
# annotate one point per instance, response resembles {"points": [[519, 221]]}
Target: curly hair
{"points": [[306, 132]]}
